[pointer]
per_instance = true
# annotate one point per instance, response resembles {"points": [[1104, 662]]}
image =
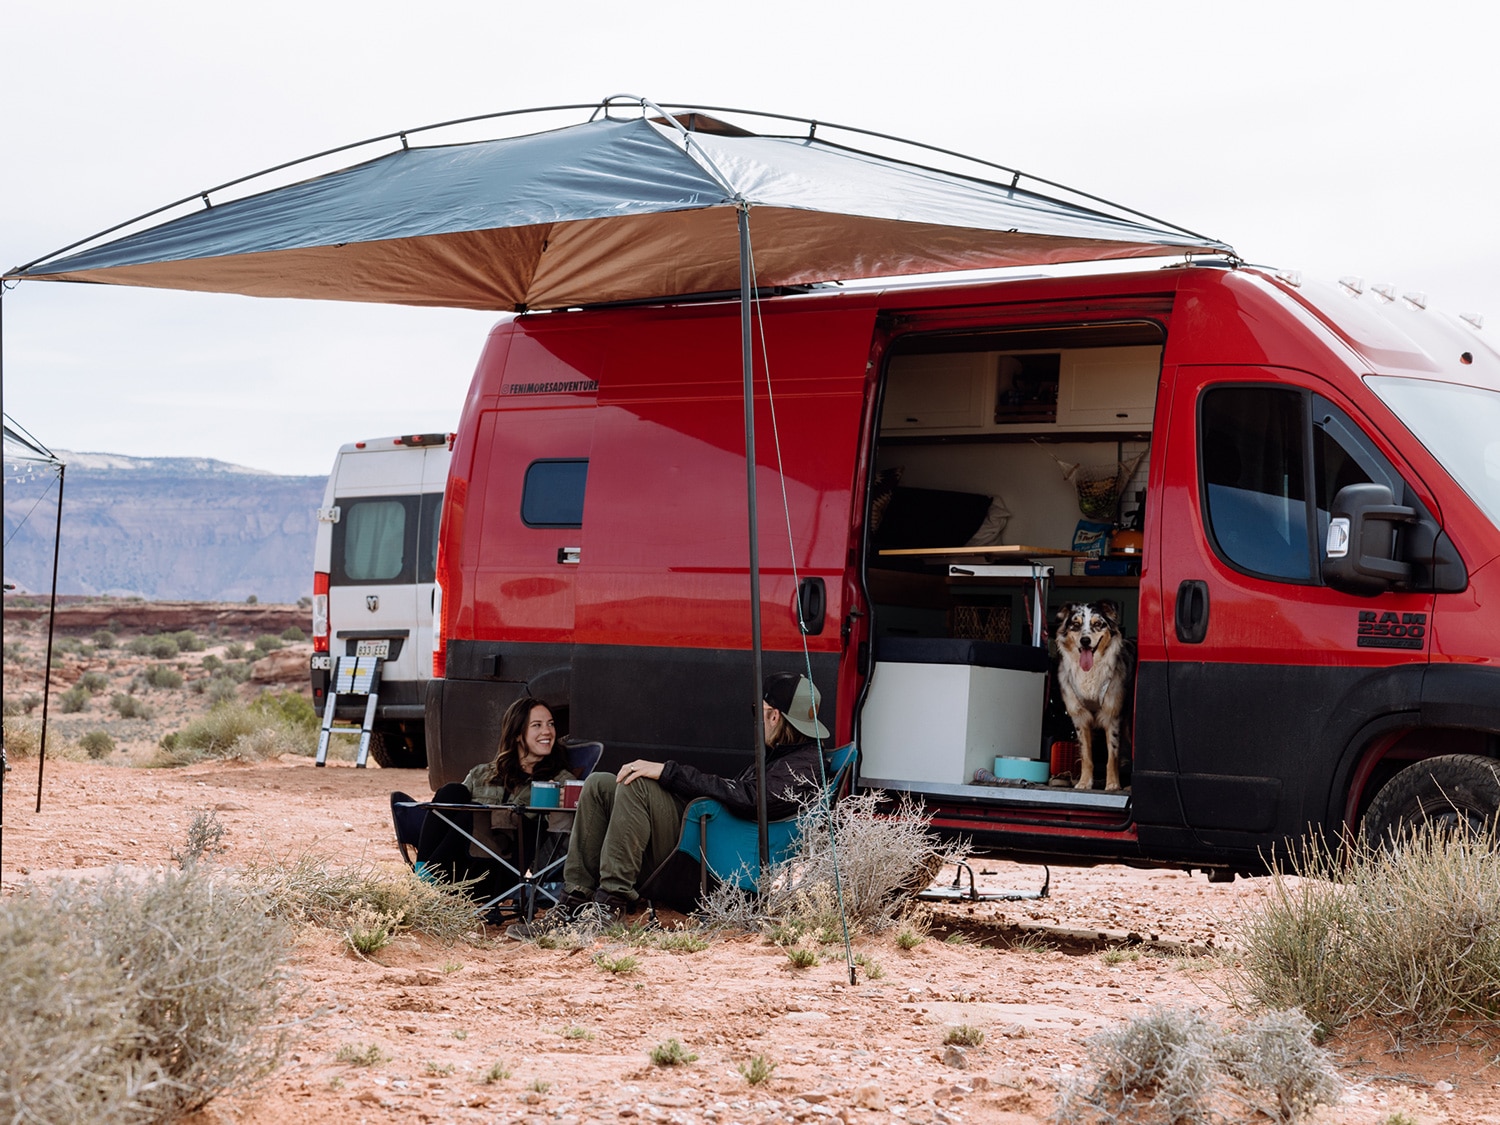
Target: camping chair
{"points": [[547, 854], [726, 848]]}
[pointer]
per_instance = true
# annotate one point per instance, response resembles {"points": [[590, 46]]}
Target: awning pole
{"points": [[41, 758], [747, 363]]}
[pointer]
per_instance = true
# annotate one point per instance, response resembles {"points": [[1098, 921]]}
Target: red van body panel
{"points": [[1294, 707]]}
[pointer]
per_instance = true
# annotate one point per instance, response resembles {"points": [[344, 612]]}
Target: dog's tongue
{"points": [[1086, 659]]}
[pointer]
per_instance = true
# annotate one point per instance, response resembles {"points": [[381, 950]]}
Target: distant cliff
{"points": [[162, 528]]}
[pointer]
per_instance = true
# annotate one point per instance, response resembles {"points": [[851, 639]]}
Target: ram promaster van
{"points": [[373, 588], [1314, 593]]}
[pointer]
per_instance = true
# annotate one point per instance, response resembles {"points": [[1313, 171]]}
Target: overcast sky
{"points": [[1334, 138]]}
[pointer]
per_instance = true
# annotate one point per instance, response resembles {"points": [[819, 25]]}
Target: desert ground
{"points": [[1038, 976]]}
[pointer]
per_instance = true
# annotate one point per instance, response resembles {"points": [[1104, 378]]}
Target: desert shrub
{"points": [[163, 646], [964, 1035], [290, 707], [1275, 1054], [367, 1054], [671, 1053], [205, 837], [15, 652], [220, 689], [13, 707], [66, 644], [618, 964], [268, 642], [188, 641], [130, 706], [877, 858], [97, 744], [757, 1070], [293, 634], [801, 958], [135, 998], [140, 646], [234, 650], [23, 737], [212, 663], [304, 602], [252, 600], [369, 930], [75, 699], [93, 682], [103, 638], [230, 730], [160, 676], [1409, 938], [1170, 1066], [309, 890]]}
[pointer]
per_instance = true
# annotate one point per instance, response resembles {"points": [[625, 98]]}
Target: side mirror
{"points": [[1359, 555]]}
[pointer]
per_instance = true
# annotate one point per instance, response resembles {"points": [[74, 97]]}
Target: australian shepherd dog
{"points": [[1093, 671]]}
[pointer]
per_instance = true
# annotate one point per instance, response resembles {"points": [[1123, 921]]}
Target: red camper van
{"points": [[1313, 592]]}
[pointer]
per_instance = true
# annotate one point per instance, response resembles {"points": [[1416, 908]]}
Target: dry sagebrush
{"points": [[309, 889], [876, 855], [1177, 1067], [1408, 937], [135, 998]]}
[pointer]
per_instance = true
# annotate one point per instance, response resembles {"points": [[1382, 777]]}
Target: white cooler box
{"points": [[938, 709]]}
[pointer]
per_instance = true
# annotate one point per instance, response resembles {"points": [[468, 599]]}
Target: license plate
{"points": [[381, 649]]}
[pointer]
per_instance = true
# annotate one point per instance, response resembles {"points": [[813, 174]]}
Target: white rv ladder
{"points": [[352, 675]]}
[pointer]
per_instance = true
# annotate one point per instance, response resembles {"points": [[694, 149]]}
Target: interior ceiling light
{"points": [[1386, 290], [1417, 299], [1472, 318], [1355, 285]]}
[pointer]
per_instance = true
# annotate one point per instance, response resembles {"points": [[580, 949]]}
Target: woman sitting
{"points": [[528, 738]]}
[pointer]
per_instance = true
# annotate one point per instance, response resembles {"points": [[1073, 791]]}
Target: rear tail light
{"points": [[320, 612], [439, 648]]}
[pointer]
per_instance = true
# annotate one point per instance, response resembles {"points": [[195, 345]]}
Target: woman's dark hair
{"points": [[513, 737]]}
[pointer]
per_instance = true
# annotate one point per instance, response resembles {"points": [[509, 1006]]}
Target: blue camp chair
{"points": [[727, 847]]}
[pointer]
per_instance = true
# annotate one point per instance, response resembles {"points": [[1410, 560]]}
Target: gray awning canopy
{"points": [[603, 211]]}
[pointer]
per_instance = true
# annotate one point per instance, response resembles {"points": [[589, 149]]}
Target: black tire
{"points": [[398, 750], [1455, 791]]}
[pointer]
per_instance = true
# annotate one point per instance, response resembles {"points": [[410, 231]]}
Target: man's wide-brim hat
{"points": [[795, 697]]}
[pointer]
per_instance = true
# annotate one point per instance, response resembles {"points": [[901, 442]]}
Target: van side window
{"points": [[374, 540], [553, 493], [427, 543], [1253, 465]]}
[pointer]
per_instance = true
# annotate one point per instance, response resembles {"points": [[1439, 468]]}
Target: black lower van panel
{"points": [[689, 705]]}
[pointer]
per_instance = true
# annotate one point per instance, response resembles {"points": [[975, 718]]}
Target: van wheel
{"points": [[1452, 791], [398, 750]]}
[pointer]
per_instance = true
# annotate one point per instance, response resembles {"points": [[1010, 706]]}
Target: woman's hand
{"points": [[639, 768]]}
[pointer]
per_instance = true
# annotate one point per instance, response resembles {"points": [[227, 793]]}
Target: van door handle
{"points": [[812, 604], [1192, 611], [569, 556]]}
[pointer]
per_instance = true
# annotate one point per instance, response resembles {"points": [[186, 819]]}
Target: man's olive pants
{"points": [[620, 831]]}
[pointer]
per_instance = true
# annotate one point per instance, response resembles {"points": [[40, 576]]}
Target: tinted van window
{"points": [[370, 540], [1252, 459], [432, 513], [553, 493]]}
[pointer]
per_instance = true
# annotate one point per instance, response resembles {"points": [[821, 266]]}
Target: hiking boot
{"points": [[609, 908]]}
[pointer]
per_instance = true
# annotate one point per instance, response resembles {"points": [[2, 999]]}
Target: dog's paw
{"points": [[1084, 783]]}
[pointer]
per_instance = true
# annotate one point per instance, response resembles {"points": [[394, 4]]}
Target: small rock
{"points": [[955, 1057], [222, 806], [814, 1097], [870, 1096], [1443, 1087], [1011, 1031], [348, 827], [671, 1101], [529, 1097]]}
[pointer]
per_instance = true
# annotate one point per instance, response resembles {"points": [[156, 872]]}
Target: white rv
{"points": [[373, 582]]}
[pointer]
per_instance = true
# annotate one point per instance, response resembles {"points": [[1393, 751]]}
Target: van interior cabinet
{"points": [[938, 709], [938, 392], [1107, 387]]}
